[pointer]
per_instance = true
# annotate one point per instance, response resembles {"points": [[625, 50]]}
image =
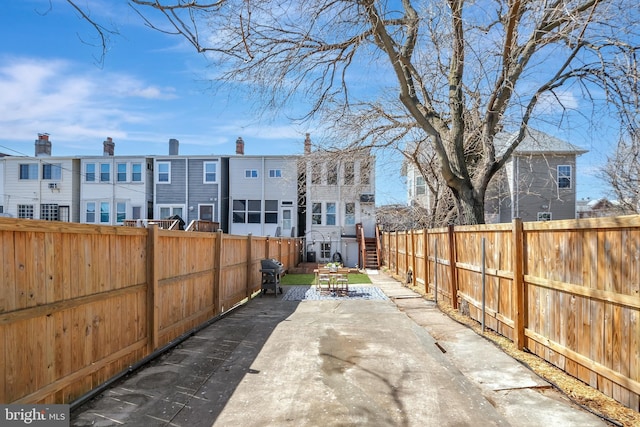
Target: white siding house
{"points": [[115, 188], [41, 187], [339, 192], [263, 197]]}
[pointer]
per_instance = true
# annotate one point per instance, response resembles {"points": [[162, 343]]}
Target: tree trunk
{"points": [[470, 206]]}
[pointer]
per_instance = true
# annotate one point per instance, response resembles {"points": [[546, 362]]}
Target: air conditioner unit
{"points": [[367, 198], [53, 185]]}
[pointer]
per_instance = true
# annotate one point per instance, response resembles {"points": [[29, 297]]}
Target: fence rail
{"points": [[568, 291], [79, 303]]}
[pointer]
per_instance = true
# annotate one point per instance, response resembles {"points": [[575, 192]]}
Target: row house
{"points": [[40, 187], [190, 187], [115, 188], [337, 190], [323, 197], [263, 194]]}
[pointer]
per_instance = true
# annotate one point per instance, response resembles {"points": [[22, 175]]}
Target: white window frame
{"points": [[275, 173], [55, 171], [331, 215], [316, 213], [251, 173], [349, 217], [564, 176], [87, 212], [159, 172], [206, 172], [31, 170], [136, 176], [544, 216], [107, 166], [126, 172], [87, 173]]}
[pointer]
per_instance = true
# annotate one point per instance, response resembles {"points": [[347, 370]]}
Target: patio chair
{"points": [[323, 279], [342, 279]]}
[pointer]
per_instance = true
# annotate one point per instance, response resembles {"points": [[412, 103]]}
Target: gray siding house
{"points": [[538, 183], [187, 186]]}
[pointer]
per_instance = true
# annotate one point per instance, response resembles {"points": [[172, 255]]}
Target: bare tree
{"points": [[622, 173], [459, 71]]}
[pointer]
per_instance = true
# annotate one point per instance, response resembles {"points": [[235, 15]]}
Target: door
{"points": [[287, 221], [206, 213]]}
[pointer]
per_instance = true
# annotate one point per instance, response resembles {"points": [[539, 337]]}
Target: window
{"points": [[210, 169], [90, 172], [349, 214], [29, 171], [331, 214], [104, 212], [275, 173], [247, 211], [136, 212], [332, 174], [90, 214], [49, 212], [205, 212], [1, 209], [348, 173], [251, 173], [421, 187], [564, 176], [365, 172], [270, 211], [239, 211], [544, 216], [316, 213], [136, 172], [26, 211], [121, 212], [325, 250], [164, 172], [286, 219], [254, 210], [52, 171], [169, 211], [316, 173], [105, 172], [121, 172]]}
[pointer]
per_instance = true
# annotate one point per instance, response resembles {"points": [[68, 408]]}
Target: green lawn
{"points": [[309, 279]]}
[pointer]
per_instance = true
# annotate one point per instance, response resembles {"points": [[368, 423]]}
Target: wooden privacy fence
{"points": [[568, 291], [79, 303]]}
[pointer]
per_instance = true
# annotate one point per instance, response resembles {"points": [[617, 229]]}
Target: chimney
{"points": [[307, 144], [240, 146], [43, 145], [173, 147], [109, 147]]}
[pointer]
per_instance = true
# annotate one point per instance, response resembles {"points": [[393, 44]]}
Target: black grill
{"points": [[272, 270]]}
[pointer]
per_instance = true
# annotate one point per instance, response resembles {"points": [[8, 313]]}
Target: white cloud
{"points": [[73, 104]]}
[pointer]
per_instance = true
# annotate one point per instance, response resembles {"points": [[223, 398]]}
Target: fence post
{"points": [[217, 267], [425, 251], [249, 264], [452, 265], [518, 284], [153, 309], [266, 247], [397, 254]]}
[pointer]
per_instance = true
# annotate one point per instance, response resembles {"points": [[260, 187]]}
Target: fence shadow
{"points": [[192, 382]]}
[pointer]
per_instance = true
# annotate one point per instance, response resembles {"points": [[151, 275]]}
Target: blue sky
{"points": [[149, 87]]}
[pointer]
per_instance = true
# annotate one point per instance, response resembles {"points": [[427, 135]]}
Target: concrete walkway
{"points": [[339, 362]]}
